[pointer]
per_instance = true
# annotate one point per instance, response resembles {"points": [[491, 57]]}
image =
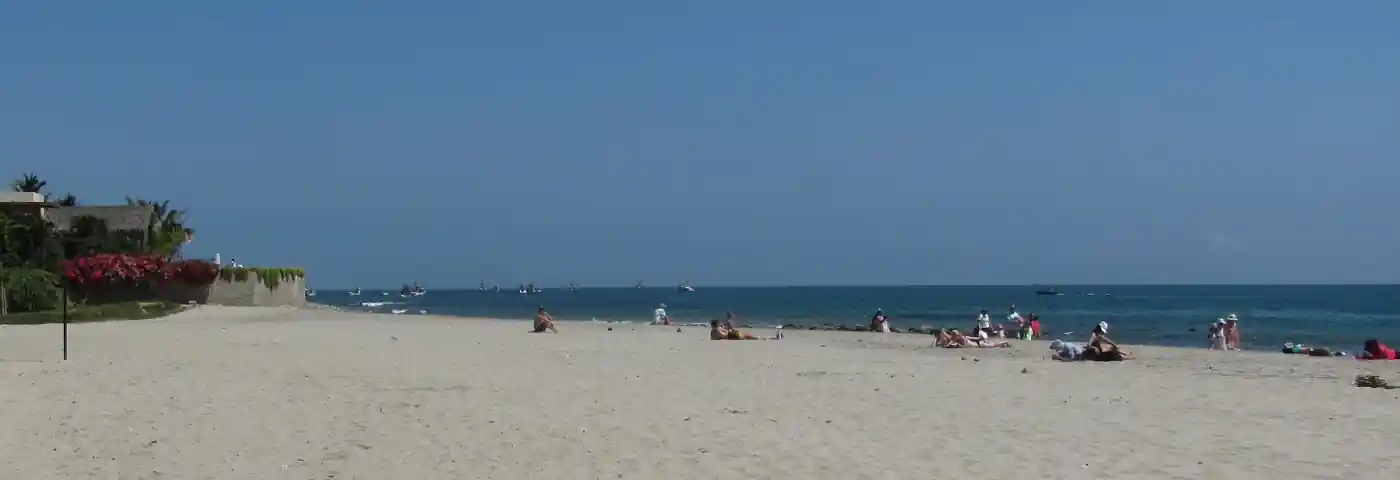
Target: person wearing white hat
{"points": [[1217, 334], [1101, 348], [1232, 332]]}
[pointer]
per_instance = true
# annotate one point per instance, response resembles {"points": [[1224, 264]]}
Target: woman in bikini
{"points": [[543, 322]]}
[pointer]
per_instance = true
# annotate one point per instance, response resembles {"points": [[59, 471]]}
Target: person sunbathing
{"points": [[956, 339], [942, 338], [720, 332]]}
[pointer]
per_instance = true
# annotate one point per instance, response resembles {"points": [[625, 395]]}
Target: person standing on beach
{"points": [[984, 321], [1217, 334], [1232, 332], [659, 317]]}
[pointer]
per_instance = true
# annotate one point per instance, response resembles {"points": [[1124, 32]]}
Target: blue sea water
{"points": [[1336, 316]]}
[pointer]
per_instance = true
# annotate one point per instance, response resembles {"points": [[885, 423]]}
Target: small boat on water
{"points": [[573, 287], [685, 287], [1048, 291], [415, 291], [355, 292], [530, 289], [639, 285], [309, 292]]}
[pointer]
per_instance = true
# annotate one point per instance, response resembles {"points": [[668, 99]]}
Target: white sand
{"points": [[273, 393]]}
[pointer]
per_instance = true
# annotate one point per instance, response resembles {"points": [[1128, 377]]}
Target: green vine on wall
{"points": [[271, 277]]}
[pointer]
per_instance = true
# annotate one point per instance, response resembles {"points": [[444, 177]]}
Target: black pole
{"points": [[65, 322]]}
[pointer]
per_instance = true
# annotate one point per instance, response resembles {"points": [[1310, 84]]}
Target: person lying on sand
{"points": [[1102, 349], [1067, 351], [543, 322], [942, 338], [722, 332], [955, 339]]}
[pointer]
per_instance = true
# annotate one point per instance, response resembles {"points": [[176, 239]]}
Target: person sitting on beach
{"points": [[879, 322], [543, 322], [659, 316], [1102, 349], [1375, 350]]}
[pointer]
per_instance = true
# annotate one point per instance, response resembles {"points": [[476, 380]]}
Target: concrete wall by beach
{"points": [[247, 293]]}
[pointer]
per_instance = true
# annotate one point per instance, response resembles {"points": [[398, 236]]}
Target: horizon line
{"points": [[929, 285]]}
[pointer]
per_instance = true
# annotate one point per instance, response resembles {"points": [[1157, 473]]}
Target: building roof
{"points": [[21, 197], [118, 217]]}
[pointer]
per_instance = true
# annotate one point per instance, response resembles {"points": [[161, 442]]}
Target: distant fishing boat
{"points": [[1048, 291], [415, 291], [355, 292], [639, 285], [685, 287], [309, 292], [572, 287], [530, 289]]}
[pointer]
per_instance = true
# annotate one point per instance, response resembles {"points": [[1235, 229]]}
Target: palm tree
{"points": [[167, 231], [29, 183]]}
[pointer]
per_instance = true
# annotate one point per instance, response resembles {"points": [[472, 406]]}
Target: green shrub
{"points": [[271, 277], [30, 290], [95, 313]]}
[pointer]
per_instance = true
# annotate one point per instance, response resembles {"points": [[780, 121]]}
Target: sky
{"points": [[730, 142]]}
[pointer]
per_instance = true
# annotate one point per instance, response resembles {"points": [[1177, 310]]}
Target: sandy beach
{"points": [[234, 393]]}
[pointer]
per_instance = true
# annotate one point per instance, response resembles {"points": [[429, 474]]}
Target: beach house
{"points": [[129, 224]]}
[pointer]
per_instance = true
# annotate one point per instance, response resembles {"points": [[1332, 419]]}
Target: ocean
{"points": [[1335, 316]]}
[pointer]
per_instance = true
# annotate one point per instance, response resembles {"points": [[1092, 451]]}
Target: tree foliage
{"points": [[167, 231], [29, 182], [31, 248]]}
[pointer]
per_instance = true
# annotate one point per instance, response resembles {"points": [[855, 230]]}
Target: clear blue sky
{"points": [[731, 142]]}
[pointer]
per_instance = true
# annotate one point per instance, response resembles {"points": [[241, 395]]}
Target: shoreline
{"points": [[922, 330]]}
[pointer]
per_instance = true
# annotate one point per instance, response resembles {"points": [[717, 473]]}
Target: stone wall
{"points": [[248, 293], [253, 293]]}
